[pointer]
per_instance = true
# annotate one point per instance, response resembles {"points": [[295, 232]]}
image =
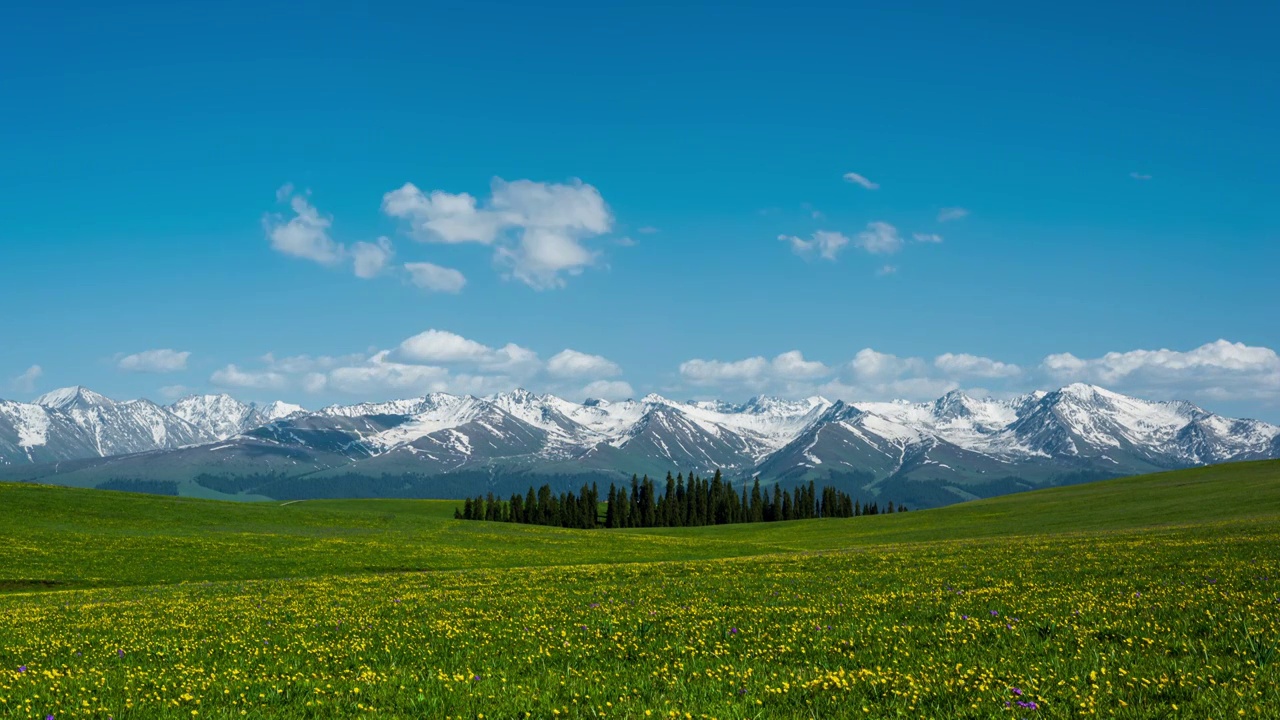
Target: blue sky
{"points": [[660, 189]]}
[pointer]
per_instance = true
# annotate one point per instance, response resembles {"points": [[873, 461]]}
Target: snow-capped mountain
{"points": [[923, 453], [223, 416], [76, 423]]}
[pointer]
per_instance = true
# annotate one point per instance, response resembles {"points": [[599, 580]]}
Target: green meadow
{"points": [[1145, 597]]}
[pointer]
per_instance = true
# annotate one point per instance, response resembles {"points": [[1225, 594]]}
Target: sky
{"points": [[334, 203]]}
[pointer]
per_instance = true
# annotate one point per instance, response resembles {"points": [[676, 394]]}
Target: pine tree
{"points": [[648, 510]]}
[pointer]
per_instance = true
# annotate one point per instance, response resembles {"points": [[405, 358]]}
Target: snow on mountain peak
{"points": [[220, 415], [74, 397], [279, 410]]}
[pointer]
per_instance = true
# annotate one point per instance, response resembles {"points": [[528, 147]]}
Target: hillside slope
{"points": [[65, 537]]}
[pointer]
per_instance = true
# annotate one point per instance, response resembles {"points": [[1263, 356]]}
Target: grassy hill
{"points": [[65, 537], [1142, 598]]}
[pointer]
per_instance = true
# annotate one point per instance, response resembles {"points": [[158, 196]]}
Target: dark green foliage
{"points": [[695, 502], [150, 487]]}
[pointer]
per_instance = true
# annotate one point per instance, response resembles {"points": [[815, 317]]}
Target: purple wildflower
{"points": [[22, 668], [995, 613], [733, 631]]}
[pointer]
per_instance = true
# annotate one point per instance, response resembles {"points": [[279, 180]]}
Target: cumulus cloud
{"points": [[824, 243], [174, 392], [856, 179], [379, 375], [431, 361], [754, 372], [871, 366], [538, 229], [966, 365], [26, 382], [880, 238], [306, 234], [154, 361], [717, 372], [608, 390], [927, 238], [435, 278], [370, 259], [571, 363], [947, 214], [1219, 370], [444, 346], [233, 377], [440, 216]]}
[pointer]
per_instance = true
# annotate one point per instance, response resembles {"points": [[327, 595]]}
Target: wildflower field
{"points": [[1174, 612]]}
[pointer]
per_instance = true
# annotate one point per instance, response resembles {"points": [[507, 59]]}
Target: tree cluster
{"points": [[681, 503], [541, 508]]}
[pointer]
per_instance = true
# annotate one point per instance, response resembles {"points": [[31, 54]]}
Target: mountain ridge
{"points": [[953, 447]]}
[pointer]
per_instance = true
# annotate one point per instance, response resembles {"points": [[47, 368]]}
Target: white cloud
{"points": [[871, 366], [154, 361], [753, 372], [539, 228], [440, 216], [966, 365], [1139, 176], [880, 238], [927, 238], [431, 361], [174, 392], [887, 270], [608, 390], [791, 365], [380, 375], [856, 179], [444, 346], [436, 278], [512, 360], [543, 253], [306, 234], [825, 244], [1219, 370], [717, 372], [233, 376], [571, 363], [371, 258], [26, 382], [315, 382], [947, 214]]}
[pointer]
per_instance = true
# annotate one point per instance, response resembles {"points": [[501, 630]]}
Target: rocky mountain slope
{"points": [[931, 453]]}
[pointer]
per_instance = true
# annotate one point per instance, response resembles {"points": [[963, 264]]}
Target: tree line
{"points": [[681, 503]]}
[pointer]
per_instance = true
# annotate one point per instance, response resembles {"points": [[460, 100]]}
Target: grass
{"points": [[79, 538], [1152, 597]]}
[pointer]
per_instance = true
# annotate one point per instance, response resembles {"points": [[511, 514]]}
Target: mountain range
{"points": [[924, 454]]}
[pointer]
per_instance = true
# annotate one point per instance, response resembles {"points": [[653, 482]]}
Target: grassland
{"points": [[1150, 597]]}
